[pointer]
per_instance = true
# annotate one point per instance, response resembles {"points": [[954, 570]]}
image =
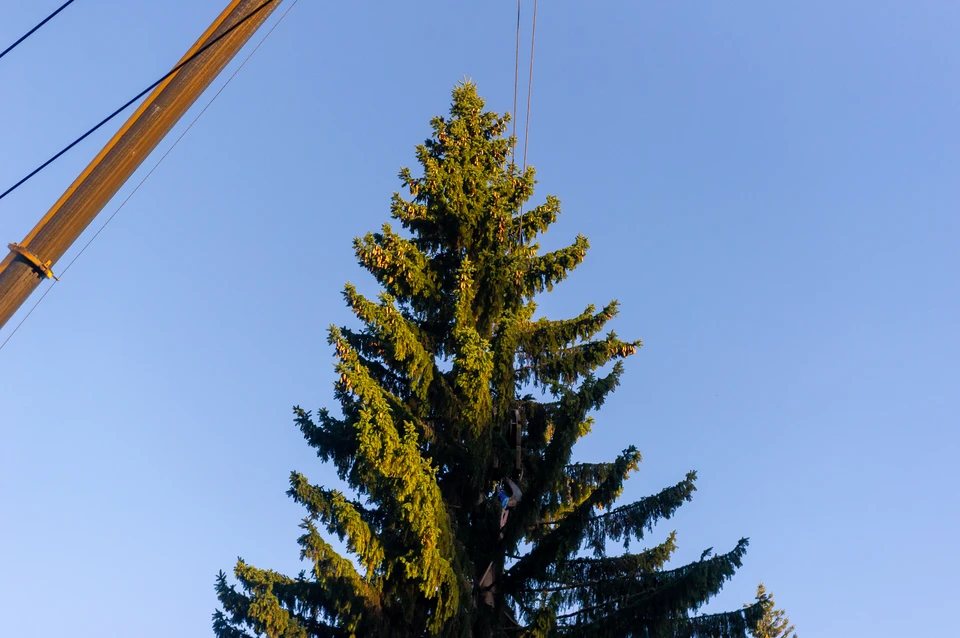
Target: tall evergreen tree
{"points": [[464, 515]]}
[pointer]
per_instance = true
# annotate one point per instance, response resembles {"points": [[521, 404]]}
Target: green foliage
{"points": [[774, 623], [430, 388]]}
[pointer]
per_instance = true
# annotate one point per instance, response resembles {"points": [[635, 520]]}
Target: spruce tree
{"points": [[463, 514], [774, 623]]}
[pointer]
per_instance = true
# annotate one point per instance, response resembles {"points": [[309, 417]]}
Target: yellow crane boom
{"points": [[32, 260]]}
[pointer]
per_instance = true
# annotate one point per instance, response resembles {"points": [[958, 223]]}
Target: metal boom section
{"points": [[33, 259]]}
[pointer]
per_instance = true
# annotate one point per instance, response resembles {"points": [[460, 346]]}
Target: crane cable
{"points": [[533, 42], [36, 28], [516, 82], [139, 95], [150, 172]]}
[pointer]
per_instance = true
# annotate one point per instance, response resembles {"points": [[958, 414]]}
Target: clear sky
{"points": [[770, 189]]}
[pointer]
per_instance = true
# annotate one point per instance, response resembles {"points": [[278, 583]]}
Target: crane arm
{"points": [[32, 260]]}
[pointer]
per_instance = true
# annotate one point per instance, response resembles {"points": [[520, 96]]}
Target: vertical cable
{"points": [[516, 83], [533, 42]]}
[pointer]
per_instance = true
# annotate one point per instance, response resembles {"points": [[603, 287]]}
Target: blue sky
{"points": [[770, 190]]}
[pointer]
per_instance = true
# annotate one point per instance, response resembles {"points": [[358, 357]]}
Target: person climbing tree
{"points": [[459, 410]]}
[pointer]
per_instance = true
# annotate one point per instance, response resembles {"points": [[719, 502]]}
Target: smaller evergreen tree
{"points": [[774, 623]]}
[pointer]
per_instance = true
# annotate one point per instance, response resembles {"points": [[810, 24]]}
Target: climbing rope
{"points": [[533, 43], [516, 83]]}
